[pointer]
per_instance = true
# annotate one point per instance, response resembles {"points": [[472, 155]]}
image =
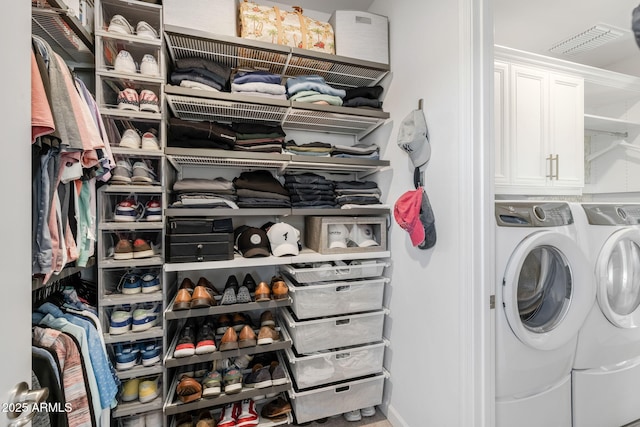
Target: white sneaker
{"points": [[146, 31], [124, 63], [130, 139], [149, 101], [128, 99], [153, 419], [150, 140], [369, 411], [149, 66], [120, 25], [353, 415], [141, 173], [134, 421]]}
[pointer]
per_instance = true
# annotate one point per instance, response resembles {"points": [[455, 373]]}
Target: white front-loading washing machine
{"points": [[544, 291], [606, 375]]}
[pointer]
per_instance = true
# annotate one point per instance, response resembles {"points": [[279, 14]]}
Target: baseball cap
{"points": [[362, 235], [338, 234], [284, 239], [413, 213], [253, 242], [413, 138]]}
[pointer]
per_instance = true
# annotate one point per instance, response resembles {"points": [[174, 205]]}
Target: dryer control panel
{"points": [[533, 214], [612, 213]]}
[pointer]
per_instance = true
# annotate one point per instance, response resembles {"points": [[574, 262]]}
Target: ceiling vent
{"points": [[589, 39]]}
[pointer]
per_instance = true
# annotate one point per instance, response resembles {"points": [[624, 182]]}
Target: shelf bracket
{"points": [[177, 166], [610, 133]]}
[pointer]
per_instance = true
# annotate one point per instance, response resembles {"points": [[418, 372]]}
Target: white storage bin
{"points": [[336, 365], [333, 332], [333, 298], [361, 35], [327, 273], [211, 16], [337, 399]]}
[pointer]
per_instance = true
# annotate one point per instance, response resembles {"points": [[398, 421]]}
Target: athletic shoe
{"points": [[128, 99], [134, 421], [186, 345], [150, 282], [206, 337], [153, 419], [130, 139], [142, 249], [119, 25], [153, 211], [124, 63], [142, 174], [148, 390], [126, 356], [278, 376], [369, 411], [121, 173], [127, 210], [148, 101], [130, 390], [232, 380], [145, 318], [150, 140], [130, 284], [228, 416], [247, 415], [243, 361], [149, 66], [353, 416], [150, 353], [146, 31], [211, 384], [123, 250]]}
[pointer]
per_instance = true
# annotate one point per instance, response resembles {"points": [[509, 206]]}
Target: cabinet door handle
{"points": [[550, 161], [557, 167]]}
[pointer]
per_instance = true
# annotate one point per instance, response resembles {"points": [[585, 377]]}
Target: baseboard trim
{"points": [[394, 418]]}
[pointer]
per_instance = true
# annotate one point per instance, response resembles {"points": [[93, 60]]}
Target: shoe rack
{"points": [[130, 59]]}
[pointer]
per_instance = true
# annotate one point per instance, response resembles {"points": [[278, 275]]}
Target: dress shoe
{"points": [[206, 337], [184, 420], [202, 298], [224, 322], [188, 390], [263, 292], [205, 419], [249, 282], [238, 321], [229, 340], [276, 408], [267, 335], [203, 281], [247, 337], [187, 284], [266, 319], [279, 289], [183, 300], [230, 289]]}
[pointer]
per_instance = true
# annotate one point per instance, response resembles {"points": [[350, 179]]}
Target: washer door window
{"points": [[618, 275], [547, 290]]}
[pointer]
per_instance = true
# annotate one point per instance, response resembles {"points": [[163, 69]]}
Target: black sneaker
{"points": [[186, 345], [230, 289], [206, 342]]}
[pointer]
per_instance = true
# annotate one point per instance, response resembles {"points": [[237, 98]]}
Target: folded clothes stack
{"points": [[310, 190], [357, 193], [313, 89], [320, 149], [367, 97], [259, 83], [188, 134], [259, 189], [204, 193], [360, 151], [200, 73], [258, 138]]}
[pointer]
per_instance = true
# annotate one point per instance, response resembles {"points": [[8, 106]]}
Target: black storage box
{"points": [[199, 247], [199, 225]]}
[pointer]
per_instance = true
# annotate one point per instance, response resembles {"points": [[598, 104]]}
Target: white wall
{"points": [[438, 296]]}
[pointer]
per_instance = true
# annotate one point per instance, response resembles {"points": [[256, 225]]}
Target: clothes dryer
{"points": [[606, 374], [544, 291]]}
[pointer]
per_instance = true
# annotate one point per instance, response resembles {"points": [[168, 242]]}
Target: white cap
{"points": [[413, 138], [283, 239], [338, 234], [362, 235]]}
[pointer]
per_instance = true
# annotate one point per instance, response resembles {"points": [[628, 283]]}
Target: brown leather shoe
{"points": [[183, 300], [202, 298], [203, 281], [276, 408], [205, 419], [279, 289], [229, 340], [184, 420], [187, 284], [247, 337], [188, 390], [267, 335], [266, 319], [263, 292]]}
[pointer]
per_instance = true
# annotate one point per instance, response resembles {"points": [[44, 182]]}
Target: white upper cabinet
{"points": [[539, 131]]}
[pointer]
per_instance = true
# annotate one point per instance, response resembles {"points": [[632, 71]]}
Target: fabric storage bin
{"points": [[333, 298], [274, 25], [344, 235], [337, 365], [326, 273], [361, 35], [212, 16], [199, 247], [333, 332], [337, 399]]}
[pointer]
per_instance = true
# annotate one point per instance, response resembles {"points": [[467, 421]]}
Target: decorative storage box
{"points": [[361, 35], [338, 365], [359, 269], [333, 332], [333, 298], [337, 399], [212, 16], [344, 235]]}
